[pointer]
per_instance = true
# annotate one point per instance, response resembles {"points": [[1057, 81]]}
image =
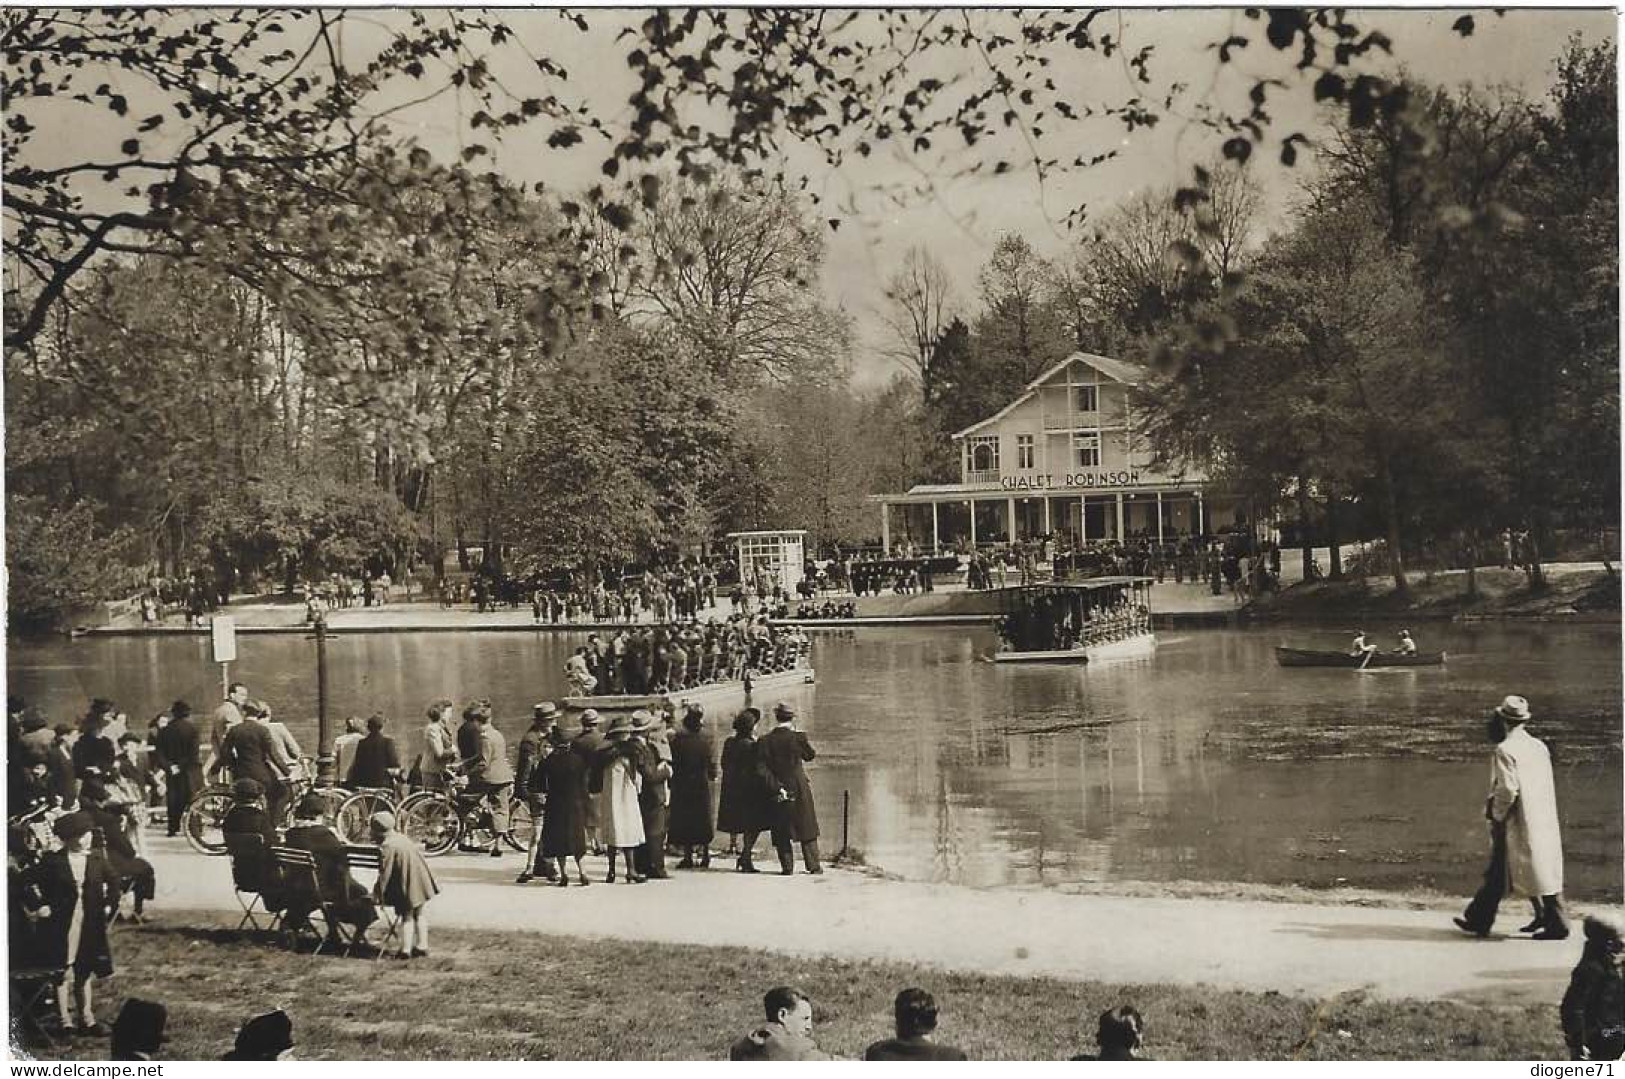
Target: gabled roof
{"points": [[1116, 370]]}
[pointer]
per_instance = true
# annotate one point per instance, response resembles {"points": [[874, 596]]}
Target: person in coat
{"points": [[744, 808], [1525, 838], [587, 745], [79, 889], [1593, 1008], [485, 762], [563, 778], [437, 750], [94, 755], [377, 763], [915, 1011], [654, 792], [534, 747], [783, 752], [112, 839], [351, 903], [787, 1034], [247, 817], [249, 752], [619, 779], [179, 746], [693, 770], [405, 884]]}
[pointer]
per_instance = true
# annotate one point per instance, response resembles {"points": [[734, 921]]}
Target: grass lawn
{"points": [[487, 995]]}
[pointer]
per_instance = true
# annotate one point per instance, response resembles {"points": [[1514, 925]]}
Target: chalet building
{"points": [[1062, 459]]}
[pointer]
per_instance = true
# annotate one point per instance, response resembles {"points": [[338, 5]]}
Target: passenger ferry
{"points": [[1076, 621], [712, 695]]}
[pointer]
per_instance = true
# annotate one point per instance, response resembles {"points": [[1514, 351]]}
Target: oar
{"points": [[1369, 652]]}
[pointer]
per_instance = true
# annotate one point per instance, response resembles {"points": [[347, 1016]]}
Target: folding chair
{"points": [[362, 857], [29, 986], [303, 889], [252, 871]]}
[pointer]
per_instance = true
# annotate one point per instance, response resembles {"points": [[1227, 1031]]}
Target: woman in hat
{"points": [[743, 807], [248, 817], [352, 904], [94, 754], [693, 769], [563, 776], [622, 820], [79, 888], [405, 883]]}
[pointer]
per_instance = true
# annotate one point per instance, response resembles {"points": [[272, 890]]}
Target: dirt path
{"points": [[1301, 949]]}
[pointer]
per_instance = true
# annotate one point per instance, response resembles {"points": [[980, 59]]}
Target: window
{"points": [[982, 454], [1024, 451], [1085, 398], [1086, 450]]}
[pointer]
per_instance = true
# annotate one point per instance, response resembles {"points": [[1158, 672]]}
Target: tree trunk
{"points": [[1390, 506], [1334, 555], [1304, 543], [1471, 548]]}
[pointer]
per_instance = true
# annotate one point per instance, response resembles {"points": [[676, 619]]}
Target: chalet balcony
{"points": [[986, 475]]}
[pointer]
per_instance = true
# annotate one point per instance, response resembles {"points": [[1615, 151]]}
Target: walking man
{"points": [[1526, 846], [795, 818], [178, 745]]}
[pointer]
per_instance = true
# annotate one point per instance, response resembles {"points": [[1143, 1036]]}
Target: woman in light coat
{"points": [[621, 821]]}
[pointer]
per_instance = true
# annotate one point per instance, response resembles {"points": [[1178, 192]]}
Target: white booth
{"points": [[779, 554]]}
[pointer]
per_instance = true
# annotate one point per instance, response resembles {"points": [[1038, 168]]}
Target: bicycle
{"points": [[200, 823], [353, 820], [439, 821]]}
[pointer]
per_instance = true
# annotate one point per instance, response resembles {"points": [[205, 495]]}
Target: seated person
{"points": [[787, 1034], [1119, 1035], [1407, 646], [113, 839], [248, 816], [351, 903], [916, 1015]]}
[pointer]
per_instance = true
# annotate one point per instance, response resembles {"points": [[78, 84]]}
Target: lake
{"points": [[1206, 762]]}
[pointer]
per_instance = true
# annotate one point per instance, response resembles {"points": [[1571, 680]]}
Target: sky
{"points": [[960, 219]]}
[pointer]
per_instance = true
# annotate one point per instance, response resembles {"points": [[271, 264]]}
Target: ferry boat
{"points": [[713, 696], [1076, 621]]}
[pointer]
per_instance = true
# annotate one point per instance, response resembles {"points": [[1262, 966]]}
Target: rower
{"points": [[1361, 647], [1407, 647]]}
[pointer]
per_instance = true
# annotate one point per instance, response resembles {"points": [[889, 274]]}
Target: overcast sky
{"points": [[962, 218]]}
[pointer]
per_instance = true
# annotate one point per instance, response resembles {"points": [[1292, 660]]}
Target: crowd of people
{"points": [[640, 660]]}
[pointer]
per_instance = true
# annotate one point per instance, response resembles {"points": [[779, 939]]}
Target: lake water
{"points": [[1205, 763]]}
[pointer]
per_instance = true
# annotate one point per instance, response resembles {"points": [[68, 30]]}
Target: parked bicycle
{"points": [[441, 821], [201, 821]]}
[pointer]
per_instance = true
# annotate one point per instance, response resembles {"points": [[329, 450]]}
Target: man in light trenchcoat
{"points": [[1527, 857]]}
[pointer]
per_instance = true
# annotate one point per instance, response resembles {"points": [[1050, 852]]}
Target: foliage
{"points": [[60, 559]]}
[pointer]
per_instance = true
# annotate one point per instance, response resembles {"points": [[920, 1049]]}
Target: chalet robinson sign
{"points": [[1071, 480]]}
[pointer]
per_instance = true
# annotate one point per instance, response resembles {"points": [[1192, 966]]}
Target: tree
{"points": [[917, 296], [60, 560], [1017, 326]]}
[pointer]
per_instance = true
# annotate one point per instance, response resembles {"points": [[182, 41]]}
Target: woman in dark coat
{"points": [[79, 888], [563, 776], [693, 768], [744, 807]]}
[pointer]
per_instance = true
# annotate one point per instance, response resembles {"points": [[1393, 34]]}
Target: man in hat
{"points": [[355, 728], [264, 1037], [249, 752], [179, 746], [587, 745], [534, 747], [654, 797], [1526, 844], [114, 842], [59, 765], [351, 903], [376, 763], [489, 775], [783, 752], [138, 1032]]}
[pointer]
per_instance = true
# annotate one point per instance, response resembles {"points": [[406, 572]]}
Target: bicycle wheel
{"points": [[353, 821], [430, 820], [521, 825], [332, 799], [201, 821]]}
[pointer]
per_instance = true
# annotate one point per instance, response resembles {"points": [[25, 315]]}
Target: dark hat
{"points": [[478, 710], [140, 1025], [557, 737], [247, 790], [264, 1037], [73, 826], [180, 710], [92, 790], [783, 712], [14, 704], [312, 807]]}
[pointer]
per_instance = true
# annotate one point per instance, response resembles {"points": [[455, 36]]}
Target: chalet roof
{"points": [[1117, 370]]}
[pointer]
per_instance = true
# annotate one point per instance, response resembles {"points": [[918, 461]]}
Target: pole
{"points": [[846, 810], [225, 680], [324, 758]]}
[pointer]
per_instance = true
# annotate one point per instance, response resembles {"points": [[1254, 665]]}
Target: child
{"points": [[1594, 1007], [1120, 1035], [404, 883]]}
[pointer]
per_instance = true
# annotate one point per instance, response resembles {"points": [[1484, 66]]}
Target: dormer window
{"points": [[982, 458]]}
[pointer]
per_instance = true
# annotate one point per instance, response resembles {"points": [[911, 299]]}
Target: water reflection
{"points": [[1204, 762]]}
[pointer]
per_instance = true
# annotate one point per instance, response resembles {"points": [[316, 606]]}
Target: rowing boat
{"points": [[1310, 657]]}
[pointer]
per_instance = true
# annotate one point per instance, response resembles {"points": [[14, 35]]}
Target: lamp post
{"points": [[324, 758]]}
